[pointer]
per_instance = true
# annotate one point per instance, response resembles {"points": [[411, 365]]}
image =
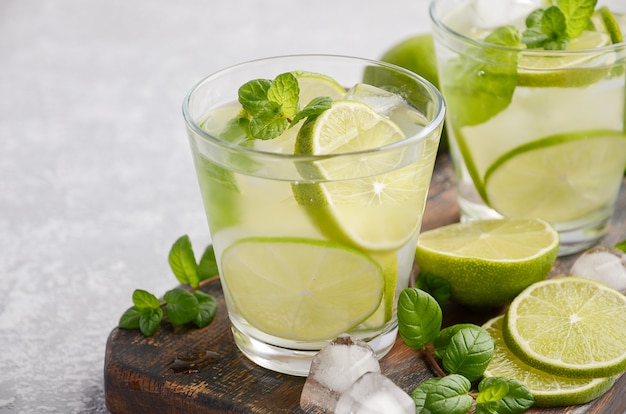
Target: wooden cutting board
{"points": [[187, 370]]}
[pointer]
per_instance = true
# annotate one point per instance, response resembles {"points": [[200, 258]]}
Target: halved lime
{"points": [[370, 202], [558, 178], [488, 262], [549, 390], [301, 289], [569, 326]]}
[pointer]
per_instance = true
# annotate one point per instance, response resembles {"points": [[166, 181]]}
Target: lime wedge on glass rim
{"points": [[375, 211], [538, 179], [547, 389], [301, 289], [569, 326]]}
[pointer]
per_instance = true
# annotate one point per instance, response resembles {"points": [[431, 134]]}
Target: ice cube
{"points": [[334, 369], [374, 393], [604, 264]]}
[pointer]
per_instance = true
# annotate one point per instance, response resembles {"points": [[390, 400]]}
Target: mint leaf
{"points": [[181, 306], [285, 92], [207, 268], [253, 95], [443, 339], [313, 109], [435, 285], [447, 395], [130, 318], [145, 300], [481, 82], [468, 352], [577, 15], [268, 123], [419, 318], [183, 262], [149, 320], [621, 246], [207, 308], [503, 396]]}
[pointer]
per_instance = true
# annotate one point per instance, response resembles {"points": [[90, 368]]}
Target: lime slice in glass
{"points": [[547, 389], [558, 178], [549, 68], [301, 289], [604, 21], [378, 210], [488, 262], [569, 326]]}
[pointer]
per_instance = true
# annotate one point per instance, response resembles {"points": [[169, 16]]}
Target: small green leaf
{"points": [[503, 396], [435, 285], [207, 309], [621, 246], [207, 268], [145, 300], [268, 123], [183, 262], [445, 335], [181, 306], [468, 353], [313, 109], [285, 91], [149, 320], [253, 95], [577, 15], [447, 395], [130, 318], [419, 318]]}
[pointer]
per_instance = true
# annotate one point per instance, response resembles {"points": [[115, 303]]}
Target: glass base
{"points": [[574, 236], [298, 362]]}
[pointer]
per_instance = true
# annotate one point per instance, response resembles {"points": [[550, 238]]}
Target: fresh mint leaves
{"points": [[553, 27], [465, 350], [271, 106], [181, 306]]}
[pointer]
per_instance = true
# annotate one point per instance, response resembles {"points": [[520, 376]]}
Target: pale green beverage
{"points": [[536, 133], [315, 230]]}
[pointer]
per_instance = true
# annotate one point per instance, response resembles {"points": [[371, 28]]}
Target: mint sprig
{"points": [[272, 106], [464, 350], [181, 306], [552, 28]]}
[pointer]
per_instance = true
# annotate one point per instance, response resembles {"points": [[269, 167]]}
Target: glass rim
{"points": [[434, 123], [527, 52]]}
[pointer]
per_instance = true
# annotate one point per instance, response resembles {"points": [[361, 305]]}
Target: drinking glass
{"points": [[310, 246], [534, 133]]}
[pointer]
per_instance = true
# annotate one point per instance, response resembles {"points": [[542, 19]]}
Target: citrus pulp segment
{"points": [[372, 202], [569, 326], [558, 178], [301, 289], [547, 389], [487, 263]]}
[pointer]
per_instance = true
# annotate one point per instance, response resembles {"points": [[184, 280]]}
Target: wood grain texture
{"points": [[186, 370]]}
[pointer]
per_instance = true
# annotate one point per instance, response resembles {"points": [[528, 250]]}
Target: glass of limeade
{"points": [[537, 131], [315, 229]]}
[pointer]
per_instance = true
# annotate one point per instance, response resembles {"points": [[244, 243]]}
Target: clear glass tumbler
{"points": [[314, 243], [534, 132]]}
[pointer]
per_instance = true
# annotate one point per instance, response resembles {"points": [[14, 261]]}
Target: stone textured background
{"points": [[96, 178]]}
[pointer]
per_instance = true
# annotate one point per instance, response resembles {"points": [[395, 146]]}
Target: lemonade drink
{"points": [[536, 132], [315, 229]]}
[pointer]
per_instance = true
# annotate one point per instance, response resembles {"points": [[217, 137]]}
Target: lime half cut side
{"points": [[569, 326], [549, 390], [301, 289], [559, 178], [488, 262], [370, 202]]}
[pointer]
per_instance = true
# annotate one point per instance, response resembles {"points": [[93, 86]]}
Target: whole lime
{"points": [[417, 54]]}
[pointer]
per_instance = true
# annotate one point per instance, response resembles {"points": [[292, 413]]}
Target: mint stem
{"points": [[428, 353]]}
